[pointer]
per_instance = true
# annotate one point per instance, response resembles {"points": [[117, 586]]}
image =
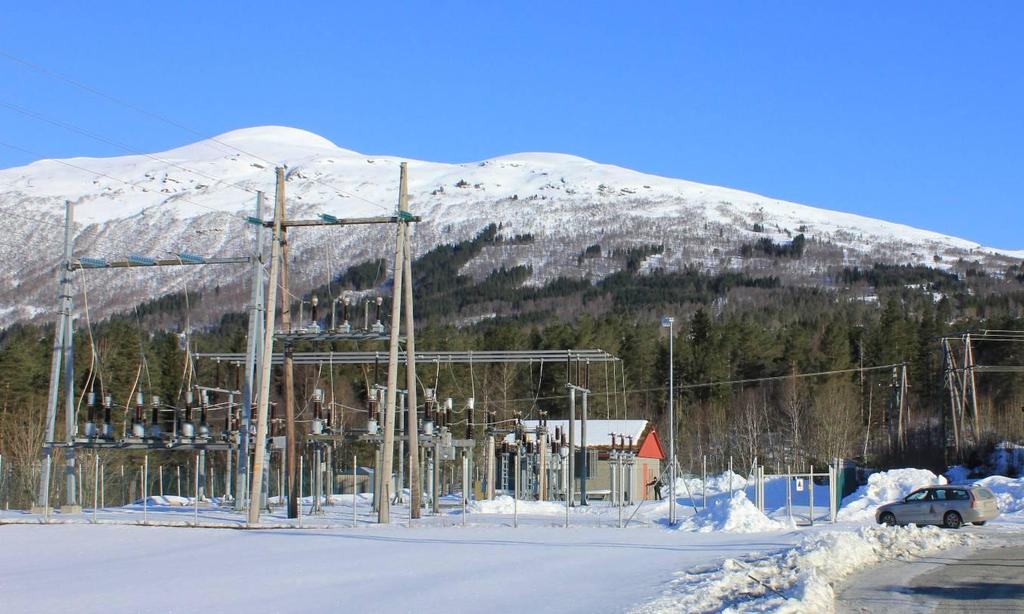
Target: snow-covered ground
{"points": [[724, 555]]}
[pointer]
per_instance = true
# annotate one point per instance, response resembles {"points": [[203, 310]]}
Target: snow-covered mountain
{"points": [[195, 199]]}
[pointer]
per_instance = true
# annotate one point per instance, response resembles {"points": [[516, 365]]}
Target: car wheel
{"points": [[888, 519], [980, 523], [952, 520]]}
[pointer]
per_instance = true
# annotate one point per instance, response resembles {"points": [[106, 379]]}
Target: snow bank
{"points": [[163, 500], [735, 515], [716, 484], [885, 487], [1009, 492], [798, 579], [503, 504]]}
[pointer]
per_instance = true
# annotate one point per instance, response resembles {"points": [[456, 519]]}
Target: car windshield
{"points": [[917, 496]]}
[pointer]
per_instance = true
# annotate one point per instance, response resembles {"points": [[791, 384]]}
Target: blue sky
{"points": [[911, 113]]}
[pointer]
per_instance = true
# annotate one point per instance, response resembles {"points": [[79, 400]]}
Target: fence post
{"points": [[810, 487], [195, 504], [95, 485]]}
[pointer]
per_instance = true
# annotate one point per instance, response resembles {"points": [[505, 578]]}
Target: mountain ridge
{"points": [[194, 198]]}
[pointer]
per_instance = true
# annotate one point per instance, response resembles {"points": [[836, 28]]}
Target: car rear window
{"points": [[984, 493]]}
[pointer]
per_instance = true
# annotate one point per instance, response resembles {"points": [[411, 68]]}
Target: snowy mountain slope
{"points": [[194, 198]]}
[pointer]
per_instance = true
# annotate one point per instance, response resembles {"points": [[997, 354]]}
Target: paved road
{"points": [[990, 580]]}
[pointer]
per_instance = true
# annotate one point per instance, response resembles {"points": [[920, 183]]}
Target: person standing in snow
{"points": [[656, 483]]}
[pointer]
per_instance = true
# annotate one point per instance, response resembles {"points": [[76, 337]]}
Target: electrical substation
{"points": [[255, 441]]}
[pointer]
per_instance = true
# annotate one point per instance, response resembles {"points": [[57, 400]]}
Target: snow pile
{"points": [[735, 515], [692, 486], [799, 579], [885, 487], [163, 500], [504, 504], [1007, 459], [1009, 492]]}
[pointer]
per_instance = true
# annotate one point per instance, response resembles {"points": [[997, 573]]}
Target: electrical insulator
{"points": [[108, 426], [90, 424], [138, 427], [318, 400], [378, 327], [187, 428], [204, 428], [154, 417]]}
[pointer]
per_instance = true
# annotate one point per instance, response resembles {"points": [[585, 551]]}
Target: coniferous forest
{"points": [[791, 351]]}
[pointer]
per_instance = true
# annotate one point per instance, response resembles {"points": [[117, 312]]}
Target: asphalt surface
{"points": [[989, 580]]}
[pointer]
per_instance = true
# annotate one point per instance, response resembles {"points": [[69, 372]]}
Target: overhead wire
{"points": [[167, 120], [138, 185], [74, 128]]}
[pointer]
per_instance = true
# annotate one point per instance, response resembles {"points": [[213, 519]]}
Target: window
{"points": [[917, 496], [959, 495]]}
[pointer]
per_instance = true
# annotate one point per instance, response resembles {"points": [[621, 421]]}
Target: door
{"points": [[939, 504], [914, 508]]}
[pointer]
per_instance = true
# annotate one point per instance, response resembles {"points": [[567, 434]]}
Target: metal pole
{"points": [[571, 492], [542, 470], [95, 485], [489, 467], [465, 485], [789, 493], [145, 490], [201, 474], [810, 487], [267, 349], [43, 493], [70, 422], [195, 503], [354, 461], [435, 459], [384, 510], [515, 501], [671, 425], [622, 489], [584, 468], [704, 482]]}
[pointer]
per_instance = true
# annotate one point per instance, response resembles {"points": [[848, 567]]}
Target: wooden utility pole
{"points": [[388, 452], [288, 376], [255, 496], [412, 424]]}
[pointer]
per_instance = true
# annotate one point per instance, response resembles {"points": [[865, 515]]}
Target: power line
{"points": [[167, 120], [73, 128], [124, 181]]}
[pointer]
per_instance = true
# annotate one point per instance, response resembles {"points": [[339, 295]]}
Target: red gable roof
{"points": [[651, 446]]}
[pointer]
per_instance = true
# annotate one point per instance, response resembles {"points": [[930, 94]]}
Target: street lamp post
{"points": [[667, 322]]}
